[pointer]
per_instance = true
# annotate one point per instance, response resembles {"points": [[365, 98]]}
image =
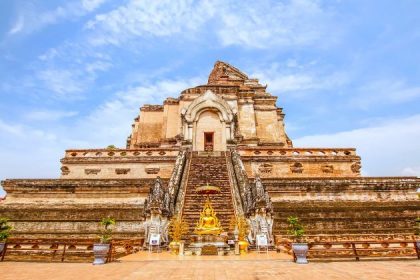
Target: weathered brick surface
{"points": [[346, 205], [73, 208]]}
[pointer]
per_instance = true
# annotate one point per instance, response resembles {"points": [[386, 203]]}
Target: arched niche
{"points": [[208, 113]]}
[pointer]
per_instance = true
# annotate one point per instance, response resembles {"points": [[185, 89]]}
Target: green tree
{"points": [[106, 230], [5, 229], [295, 228]]}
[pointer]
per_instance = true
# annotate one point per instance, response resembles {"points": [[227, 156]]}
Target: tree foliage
{"points": [[296, 229], [5, 229], [106, 229]]}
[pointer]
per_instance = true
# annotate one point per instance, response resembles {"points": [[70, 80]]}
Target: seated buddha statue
{"points": [[208, 224]]}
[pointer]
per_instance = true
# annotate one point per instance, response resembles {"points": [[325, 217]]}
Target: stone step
{"points": [[212, 171]]}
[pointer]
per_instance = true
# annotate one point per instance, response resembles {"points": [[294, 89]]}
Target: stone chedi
{"points": [[228, 133]]}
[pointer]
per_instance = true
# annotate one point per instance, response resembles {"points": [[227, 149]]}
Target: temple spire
{"points": [[223, 72]]}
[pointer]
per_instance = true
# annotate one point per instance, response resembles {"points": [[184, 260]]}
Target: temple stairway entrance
{"points": [[210, 168]]}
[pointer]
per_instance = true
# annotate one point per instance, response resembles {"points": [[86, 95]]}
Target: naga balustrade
{"points": [[53, 250], [357, 249]]}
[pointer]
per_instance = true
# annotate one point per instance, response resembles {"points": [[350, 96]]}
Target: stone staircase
{"points": [[211, 169]]}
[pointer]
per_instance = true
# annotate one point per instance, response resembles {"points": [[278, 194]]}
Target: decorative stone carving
{"points": [[355, 167], [174, 185], [152, 169], [256, 202], [327, 168], [244, 187], [265, 168], [121, 171], [147, 145], [261, 220], [157, 212], [65, 170], [262, 198], [156, 224], [92, 171], [296, 167], [208, 101]]}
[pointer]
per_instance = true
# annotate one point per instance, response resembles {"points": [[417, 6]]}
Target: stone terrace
{"points": [[214, 269]]}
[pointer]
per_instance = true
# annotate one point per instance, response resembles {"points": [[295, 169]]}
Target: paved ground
{"points": [[167, 267]]}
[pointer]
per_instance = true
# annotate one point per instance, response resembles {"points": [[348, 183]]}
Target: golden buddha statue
{"points": [[208, 224]]}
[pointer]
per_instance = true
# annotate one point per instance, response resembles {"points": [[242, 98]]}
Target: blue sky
{"points": [[73, 74]]}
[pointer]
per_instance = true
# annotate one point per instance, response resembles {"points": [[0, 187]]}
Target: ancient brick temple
{"points": [[230, 133]]}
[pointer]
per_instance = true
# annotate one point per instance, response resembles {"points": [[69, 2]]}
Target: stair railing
{"points": [[242, 183], [235, 183], [174, 184], [182, 186]]}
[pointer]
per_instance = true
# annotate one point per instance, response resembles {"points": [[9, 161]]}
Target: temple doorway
{"points": [[209, 132], [208, 141]]}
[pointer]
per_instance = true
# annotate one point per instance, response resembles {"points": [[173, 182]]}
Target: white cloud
{"points": [[18, 26], [68, 11], [157, 18], [29, 152], [91, 5], [96, 66], [388, 91], [111, 122], [49, 115], [69, 69], [388, 149], [247, 24], [62, 81], [10, 128], [411, 171], [32, 19], [278, 24], [295, 78], [49, 54]]}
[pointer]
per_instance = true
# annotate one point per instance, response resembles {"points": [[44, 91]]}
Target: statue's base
{"points": [[209, 245], [208, 238]]}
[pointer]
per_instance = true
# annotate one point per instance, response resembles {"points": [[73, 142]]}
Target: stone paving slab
{"points": [[166, 256], [213, 269]]}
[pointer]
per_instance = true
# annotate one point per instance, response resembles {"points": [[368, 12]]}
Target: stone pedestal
{"points": [[237, 251], [181, 248]]}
